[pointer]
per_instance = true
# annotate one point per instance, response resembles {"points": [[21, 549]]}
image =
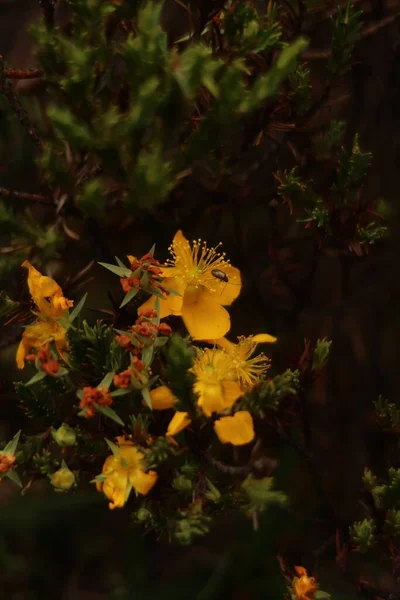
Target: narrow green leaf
{"points": [[120, 271], [128, 296], [113, 447], [152, 250], [147, 355], [37, 377], [14, 477], [106, 381], [156, 320], [121, 392], [12, 445], [77, 309], [79, 393], [120, 263], [108, 412], [100, 477], [147, 397]]}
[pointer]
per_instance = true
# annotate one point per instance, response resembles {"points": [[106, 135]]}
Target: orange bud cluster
{"points": [[92, 396], [146, 264], [48, 364], [143, 333], [6, 462], [123, 379]]}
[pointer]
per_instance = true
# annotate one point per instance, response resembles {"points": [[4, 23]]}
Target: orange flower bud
{"points": [[164, 329]]}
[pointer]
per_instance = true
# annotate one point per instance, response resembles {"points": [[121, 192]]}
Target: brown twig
{"points": [[11, 73], [368, 31], [36, 198], [14, 102]]}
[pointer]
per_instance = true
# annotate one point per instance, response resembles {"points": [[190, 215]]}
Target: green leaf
{"points": [[147, 355], [120, 263], [147, 397], [108, 412], [100, 477], [129, 296], [11, 474], [113, 447], [77, 309], [121, 392], [106, 381], [12, 445], [37, 377], [120, 271]]}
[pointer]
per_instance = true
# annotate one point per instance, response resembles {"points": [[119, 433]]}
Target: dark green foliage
{"points": [[37, 403], [179, 359], [93, 351], [346, 26]]}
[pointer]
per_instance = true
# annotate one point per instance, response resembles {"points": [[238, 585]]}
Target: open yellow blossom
{"points": [[51, 305], [124, 470], [245, 369], [237, 430], [304, 587], [202, 295], [215, 392]]}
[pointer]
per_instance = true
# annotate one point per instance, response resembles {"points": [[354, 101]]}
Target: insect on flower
{"points": [[222, 276]]}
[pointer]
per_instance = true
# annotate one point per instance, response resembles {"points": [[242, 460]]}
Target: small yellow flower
{"points": [[237, 430], [64, 436], [245, 369], [178, 423], [304, 587], [215, 392], [202, 296], [63, 479], [162, 398], [124, 471], [51, 305]]}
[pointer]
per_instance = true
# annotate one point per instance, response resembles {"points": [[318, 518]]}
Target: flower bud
{"points": [[64, 436], [63, 479]]}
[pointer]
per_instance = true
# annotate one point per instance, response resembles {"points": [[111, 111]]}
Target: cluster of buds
{"points": [[48, 363], [93, 397], [146, 274], [6, 462], [137, 375], [143, 333]]}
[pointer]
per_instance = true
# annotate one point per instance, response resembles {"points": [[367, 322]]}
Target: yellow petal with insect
{"points": [[203, 316], [226, 292], [237, 430]]}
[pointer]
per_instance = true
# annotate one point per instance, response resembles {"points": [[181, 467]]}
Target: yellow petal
{"points": [[178, 423], [223, 343], [204, 318], [226, 292], [264, 338], [211, 397], [237, 430], [22, 351], [143, 482], [182, 251], [172, 305], [162, 398], [114, 487], [231, 392]]}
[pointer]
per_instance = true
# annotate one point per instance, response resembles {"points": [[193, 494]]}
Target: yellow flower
{"points": [[215, 393], [244, 369], [51, 305], [237, 430], [178, 423], [202, 295], [124, 470], [162, 398], [304, 587], [63, 479]]}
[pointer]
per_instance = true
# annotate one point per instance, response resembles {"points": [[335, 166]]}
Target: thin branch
{"points": [[14, 102], [35, 198], [11, 73], [368, 31]]}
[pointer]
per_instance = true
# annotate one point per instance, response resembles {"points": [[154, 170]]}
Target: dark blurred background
{"points": [[76, 548]]}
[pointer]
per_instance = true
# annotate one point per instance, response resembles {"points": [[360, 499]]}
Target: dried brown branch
{"points": [[7, 90], [11, 73], [35, 198]]}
